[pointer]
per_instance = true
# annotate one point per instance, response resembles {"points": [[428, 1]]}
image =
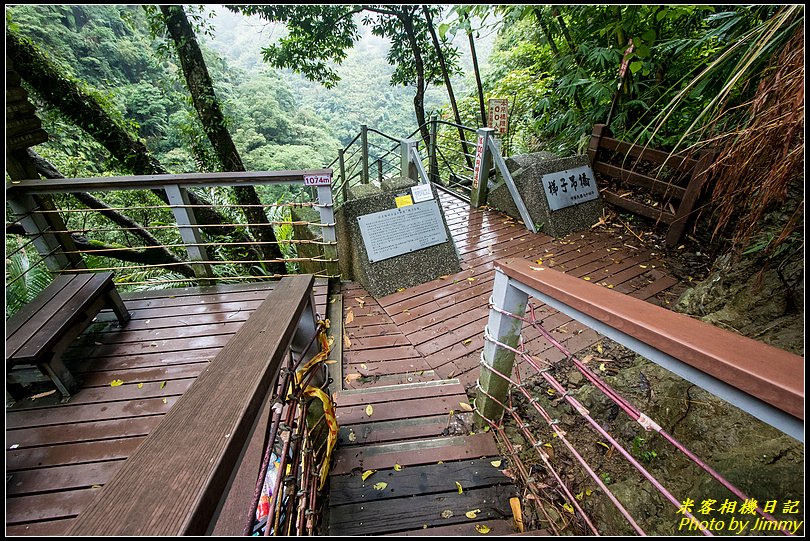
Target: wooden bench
{"points": [[674, 199], [191, 466], [41, 332]]}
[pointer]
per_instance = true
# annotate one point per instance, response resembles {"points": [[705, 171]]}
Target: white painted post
{"points": [[510, 184], [483, 161], [505, 330], [36, 227], [327, 212], [406, 160], [186, 223]]}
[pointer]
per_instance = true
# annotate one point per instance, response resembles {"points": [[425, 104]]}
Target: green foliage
{"points": [[26, 276]]}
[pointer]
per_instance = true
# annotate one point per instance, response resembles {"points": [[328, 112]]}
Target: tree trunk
{"points": [[207, 105], [449, 86], [406, 18], [86, 112], [539, 16], [478, 80]]}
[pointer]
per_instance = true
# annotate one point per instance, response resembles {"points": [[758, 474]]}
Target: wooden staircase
{"points": [[429, 466]]}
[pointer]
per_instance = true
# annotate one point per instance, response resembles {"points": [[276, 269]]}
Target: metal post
{"points": [[379, 170], [483, 162], [36, 226], [416, 161], [364, 142], [326, 210], [433, 161], [511, 186], [186, 223], [407, 165], [344, 182], [505, 330]]}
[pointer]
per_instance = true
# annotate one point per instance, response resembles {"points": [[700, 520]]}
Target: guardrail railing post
{"points": [[364, 143], [38, 226], [189, 232], [433, 161], [344, 182], [483, 163], [506, 330], [379, 170], [407, 166], [327, 213]]}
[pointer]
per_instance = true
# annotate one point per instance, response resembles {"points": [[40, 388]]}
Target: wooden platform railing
{"points": [[43, 223], [760, 379], [180, 478], [681, 192]]}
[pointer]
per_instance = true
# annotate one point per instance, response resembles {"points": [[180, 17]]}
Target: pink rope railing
{"points": [[641, 418]]}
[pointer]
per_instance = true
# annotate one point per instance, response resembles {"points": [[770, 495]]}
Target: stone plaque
{"points": [[402, 230], [569, 187]]}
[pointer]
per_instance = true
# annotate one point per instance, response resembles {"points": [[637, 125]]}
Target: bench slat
{"points": [[66, 285], [50, 323], [175, 480]]}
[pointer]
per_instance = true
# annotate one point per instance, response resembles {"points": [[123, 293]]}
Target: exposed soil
{"points": [[762, 462]]}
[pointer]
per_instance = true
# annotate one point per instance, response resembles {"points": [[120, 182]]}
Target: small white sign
{"points": [[569, 187], [422, 192], [317, 180]]}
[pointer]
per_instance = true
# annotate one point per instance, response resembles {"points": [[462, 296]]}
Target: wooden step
{"points": [[418, 497]]}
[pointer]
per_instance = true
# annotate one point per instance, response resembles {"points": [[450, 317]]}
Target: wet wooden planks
{"points": [[58, 455], [421, 449], [443, 319]]}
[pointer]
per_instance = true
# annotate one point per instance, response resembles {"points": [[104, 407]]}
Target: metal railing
{"points": [[724, 364], [164, 230]]}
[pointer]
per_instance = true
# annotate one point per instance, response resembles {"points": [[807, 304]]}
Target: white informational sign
{"points": [[402, 230], [317, 180], [569, 187], [421, 192], [498, 115]]}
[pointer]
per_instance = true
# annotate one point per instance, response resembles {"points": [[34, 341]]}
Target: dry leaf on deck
{"points": [[352, 436], [165, 400], [360, 301], [369, 410], [42, 395], [380, 486], [482, 528], [363, 366], [346, 342], [163, 384], [459, 487], [397, 467], [140, 386], [472, 514], [447, 513], [495, 463], [599, 347], [349, 317], [352, 377], [116, 383], [367, 474], [467, 341]]}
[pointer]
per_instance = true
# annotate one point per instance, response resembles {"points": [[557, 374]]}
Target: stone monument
{"points": [[394, 237], [560, 193]]}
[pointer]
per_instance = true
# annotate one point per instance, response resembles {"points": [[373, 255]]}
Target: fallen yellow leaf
{"points": [[467, 341], [363, 366], [397, 467], [165, 401], [496, 463], [367, 474], [482, 528], [610, 286], [587, 278], [346, 342], [352, 436], [568, 507], [140, 386], [465, 406], [537, 268], [369, 410], [163, 384], [401, 289], [116, 383], [458, 486], [380, 486], [471, 279], [472, 514], [349, 317], [599, 347]]}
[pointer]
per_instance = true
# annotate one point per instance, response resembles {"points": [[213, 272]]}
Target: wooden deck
{"points": [[435, 330], [414, 356], [59, 455]]}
